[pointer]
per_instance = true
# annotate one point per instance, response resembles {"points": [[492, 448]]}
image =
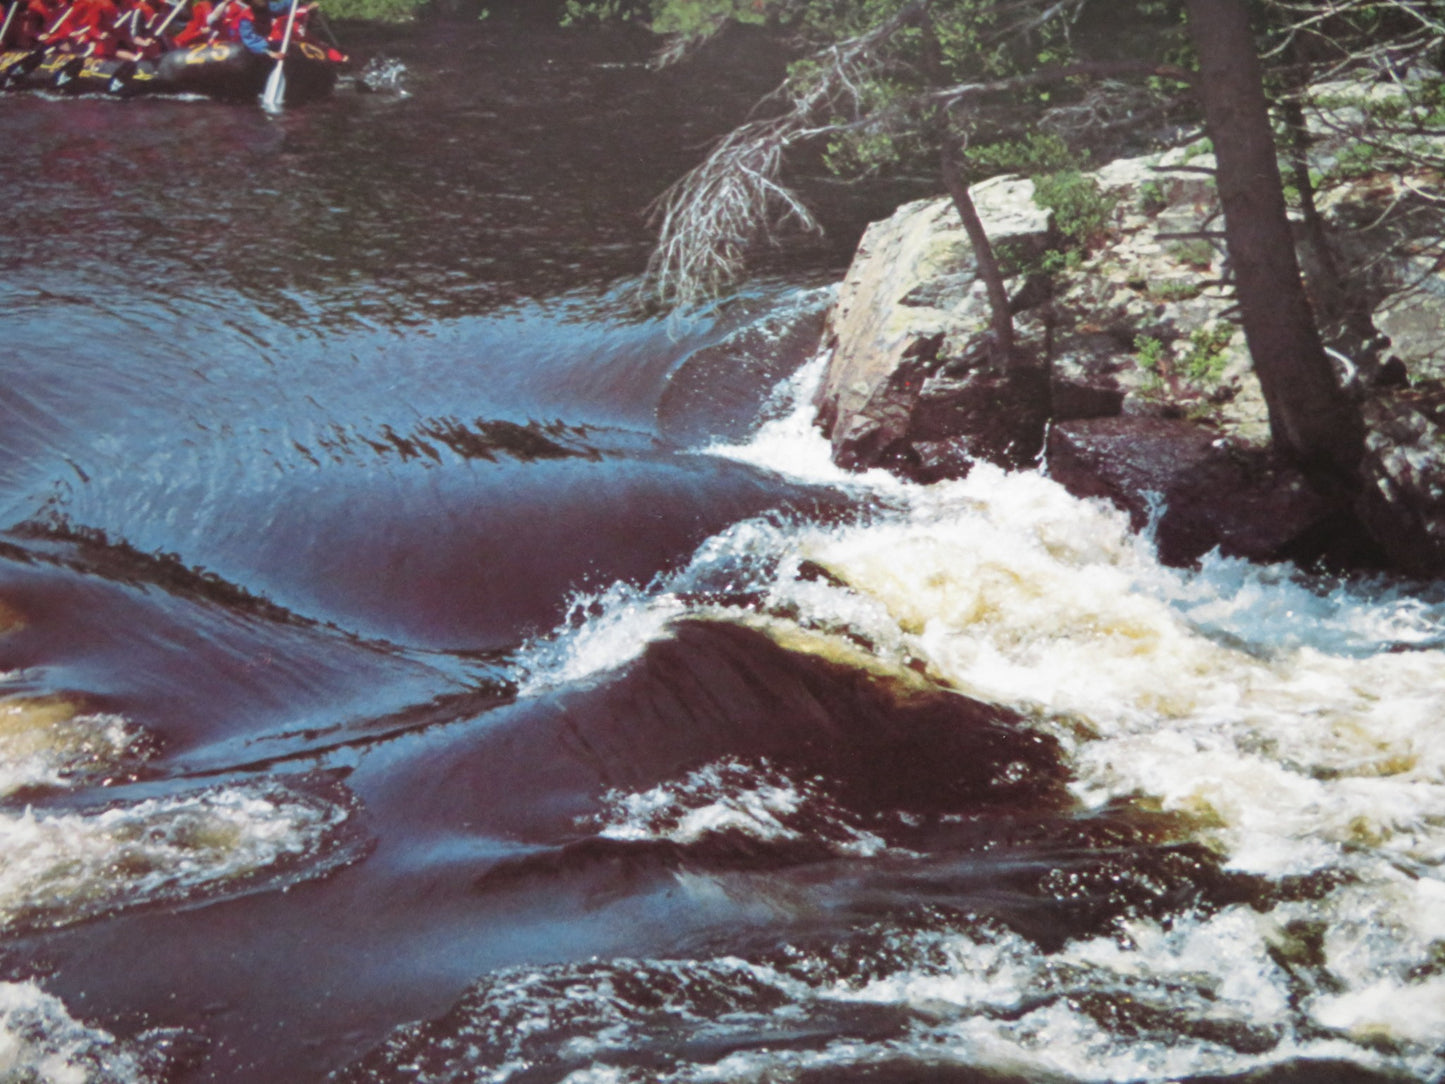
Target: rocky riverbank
{"points": [[1139, 387]]}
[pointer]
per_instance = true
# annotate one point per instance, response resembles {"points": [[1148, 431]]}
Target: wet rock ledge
{"points": [[1140, 388]]}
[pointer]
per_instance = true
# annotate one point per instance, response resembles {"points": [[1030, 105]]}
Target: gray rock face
{"points": [[909, 336]]}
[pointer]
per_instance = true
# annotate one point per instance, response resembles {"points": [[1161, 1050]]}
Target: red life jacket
{"points": [[196, 26]]}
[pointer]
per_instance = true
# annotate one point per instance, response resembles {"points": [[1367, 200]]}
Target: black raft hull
{"points": [[228, 70], [75, 75], [224, 70]]}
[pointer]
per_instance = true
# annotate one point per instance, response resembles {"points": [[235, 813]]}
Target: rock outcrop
{"points": [[1149, 394], [910, 384]]}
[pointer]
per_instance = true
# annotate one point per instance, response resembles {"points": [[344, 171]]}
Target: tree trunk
{"points": [[1001, 315], [1338, 312], [1001, 321], [1311, 418]]}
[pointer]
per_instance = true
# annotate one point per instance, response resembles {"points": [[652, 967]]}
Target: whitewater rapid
{"points": [[1293, 726]]}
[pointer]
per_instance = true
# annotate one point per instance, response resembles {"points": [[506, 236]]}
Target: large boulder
{"points": [[913, 385], [910, 363]]}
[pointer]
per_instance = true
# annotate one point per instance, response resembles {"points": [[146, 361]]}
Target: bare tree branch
{"points": [[1102, 69], [710, 217]]}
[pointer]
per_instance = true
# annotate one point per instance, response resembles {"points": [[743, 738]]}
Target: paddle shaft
{"points": [[175, 10], [290, 24], [275, 93], [9, 17], [60, 21]]}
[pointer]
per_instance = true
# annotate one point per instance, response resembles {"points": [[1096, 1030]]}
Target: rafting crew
{"points": [[136, 34], [257, 25], [135, 29], [218, 48], [83, 28], [209, 22]]}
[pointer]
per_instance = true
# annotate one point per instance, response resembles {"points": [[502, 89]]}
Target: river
{"points": [[417, 666]]}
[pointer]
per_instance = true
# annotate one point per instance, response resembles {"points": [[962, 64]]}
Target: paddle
{"points": [[69, 73], [175, 10], [32, 59], [26, 64], [276, 84], [9, 17]]}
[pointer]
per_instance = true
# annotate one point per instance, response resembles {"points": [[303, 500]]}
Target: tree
{"points": [[1369, 73], [897, 84], [1311, 418]]}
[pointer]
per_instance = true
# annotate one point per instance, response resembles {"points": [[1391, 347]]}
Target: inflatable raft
{"points": [[221, 70]]}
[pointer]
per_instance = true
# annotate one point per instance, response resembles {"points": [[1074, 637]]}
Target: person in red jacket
{"points": [[200, 26], [85, 29], [32, 23], [262, 25], [132, 34]]}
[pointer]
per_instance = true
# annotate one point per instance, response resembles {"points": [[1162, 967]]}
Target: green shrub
{"points": [[1035, 153], [1081, 208], [1153, 197], [1192, 375], [1172, 290], [1203, 363], [1150, 355], [1198, 149], [1149, 352], [380, 11], [1196, 252]]}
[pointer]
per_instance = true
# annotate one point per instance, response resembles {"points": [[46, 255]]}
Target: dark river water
{"points": [[416, 666]]}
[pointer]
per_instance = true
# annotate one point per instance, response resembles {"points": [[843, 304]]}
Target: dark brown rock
{"points": [[1200, 491], [976, 412], [1402, 497], [1076, 399]]}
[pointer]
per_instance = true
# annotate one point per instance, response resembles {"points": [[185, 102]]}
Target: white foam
{"points": [[788, 441], [1276, 709], [1386, 1009], [1277, 712], [41, 1042], [602, 632], [1152, 1002], [605, 630], [62, 867], [729, 796], [49, 742]]}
